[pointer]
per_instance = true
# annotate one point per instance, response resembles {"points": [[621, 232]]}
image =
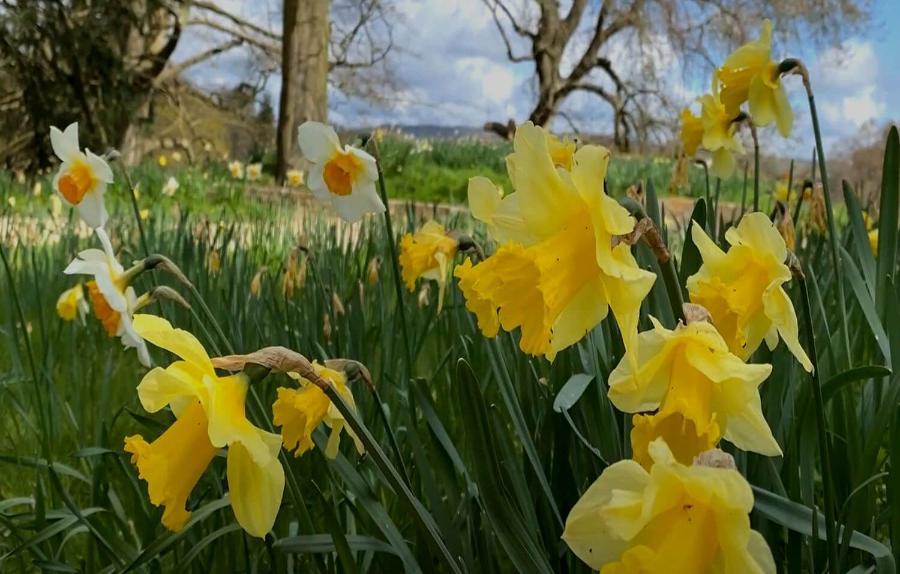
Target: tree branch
{"points": [[215, 9], [176, 69]]}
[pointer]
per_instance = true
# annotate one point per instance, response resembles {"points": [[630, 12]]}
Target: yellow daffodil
{"points": [[702, 390], [742, 289], [720, 134], [560, 267], [873, 241], [236, 169], [673, 518], [113, 299], [170, 187], [254, 171], [300, 411], [83, 176], [71, 303], [294, 177], [163, 161], [691, 132], [210, 414], [144, 214], [343, 177], [750, 74], [781, 192], [427, 254], [214, 261], [372, 270]]}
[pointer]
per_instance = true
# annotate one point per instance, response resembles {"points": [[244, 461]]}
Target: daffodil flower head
{"points": [[427, 254], [82, 177], [236, 169], [254, 171], [210, 415], [750, 74], [300, 411], [691, 132], [170, 187], [343, 177], [559, 268], [112, 297], [294, 177], [71, 303], [743, 288], [674, 518], [720, 134], [702, 390], [873, 241]]}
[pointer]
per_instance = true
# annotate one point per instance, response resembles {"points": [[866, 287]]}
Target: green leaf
{"points": [[799, 518], [569, 394], [837, 382], [887, 220], [860, 236], [866, 304], [322, 543], [690, 255]]}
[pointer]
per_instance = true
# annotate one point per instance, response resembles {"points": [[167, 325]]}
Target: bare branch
{"points": [[175, 70], [216, 9], [509, 50], [273, 50]]}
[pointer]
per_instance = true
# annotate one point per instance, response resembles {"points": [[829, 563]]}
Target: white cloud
{"points": [[856, 109], [848, 66]]}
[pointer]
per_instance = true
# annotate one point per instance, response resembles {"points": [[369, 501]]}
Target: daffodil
{"points": [[214, 261], [71, 303], [112, 297], [210, 415], [254, 171], [750, 74], [294, 177], [781, 192], [427, 254], [702, 390], [170, 187], [343, 177], [236, 169], [673, 518], [163, 161], [83, 176], [873, 241], [720, 134], [742, 289], [300, 411], [691, 132], [561, 266]]}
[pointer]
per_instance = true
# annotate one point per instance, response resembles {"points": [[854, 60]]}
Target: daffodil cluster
{"points": [[748, 75]]}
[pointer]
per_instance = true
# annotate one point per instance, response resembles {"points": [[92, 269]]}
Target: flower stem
{"points": [[137, 211], [755, 137], [799, 69]]}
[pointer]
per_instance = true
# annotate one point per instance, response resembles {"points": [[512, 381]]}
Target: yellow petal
{"points": [[582, 314], [784, 116], [160, 332], [255, 490], [779, 309], [641, 384], [757, 232], [228, 423], [161, 387], [484, 199]]}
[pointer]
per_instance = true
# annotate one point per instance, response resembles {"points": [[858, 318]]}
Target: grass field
{"points": [[482, 450]]}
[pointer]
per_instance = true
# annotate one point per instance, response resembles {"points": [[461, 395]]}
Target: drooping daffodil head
{"points": [[71, 303], [674, 518], [210, 415], [720, 134], [342, 177], [300, 411], [702, 392], [112, 297], [428, 254], [82, 177], [691, 132], [743, 289], [560, 266], [750, 75]]}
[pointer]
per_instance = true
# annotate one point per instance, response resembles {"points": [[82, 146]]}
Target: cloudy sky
{"points": [[452, 69]]}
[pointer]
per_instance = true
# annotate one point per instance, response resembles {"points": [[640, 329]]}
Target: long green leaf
{"points": [[888, 215]]}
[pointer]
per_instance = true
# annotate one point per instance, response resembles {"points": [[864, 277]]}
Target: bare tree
{"points": [[573, 48]]}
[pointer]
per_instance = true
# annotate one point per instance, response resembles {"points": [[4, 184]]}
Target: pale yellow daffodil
{"points": [[750, 74], [71, 303], [428, 254], [342, 177], [294, 177], [170, 187], [559, 269], [702, 390], [742, 289], [673, 518], [83, 176], [254, 171], [210, 415], [691, 132], [720, 134], [236, 169], [300, 411]]}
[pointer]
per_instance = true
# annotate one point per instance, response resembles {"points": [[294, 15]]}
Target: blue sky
{"points": [[452, 69]]}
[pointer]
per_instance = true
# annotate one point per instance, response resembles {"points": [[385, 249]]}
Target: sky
{"points": [[452, 69]]}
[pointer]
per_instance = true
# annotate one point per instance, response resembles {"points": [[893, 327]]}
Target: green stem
{"points": [[137, 211], [829, 212], [755, 137], [822, 432], [744, 192]]}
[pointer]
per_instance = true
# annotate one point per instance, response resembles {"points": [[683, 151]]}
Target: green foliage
{"points": [[476, 452]]}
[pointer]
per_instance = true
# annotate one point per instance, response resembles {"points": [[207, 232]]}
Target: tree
{"points": [[614, 47]]}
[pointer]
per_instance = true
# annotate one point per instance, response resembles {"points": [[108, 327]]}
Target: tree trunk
{"points": [[304, 74]]}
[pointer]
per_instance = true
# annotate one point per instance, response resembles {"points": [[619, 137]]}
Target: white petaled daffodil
{"points": [[343, 177], [170, 187], [113, 299], [83, 176]]}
